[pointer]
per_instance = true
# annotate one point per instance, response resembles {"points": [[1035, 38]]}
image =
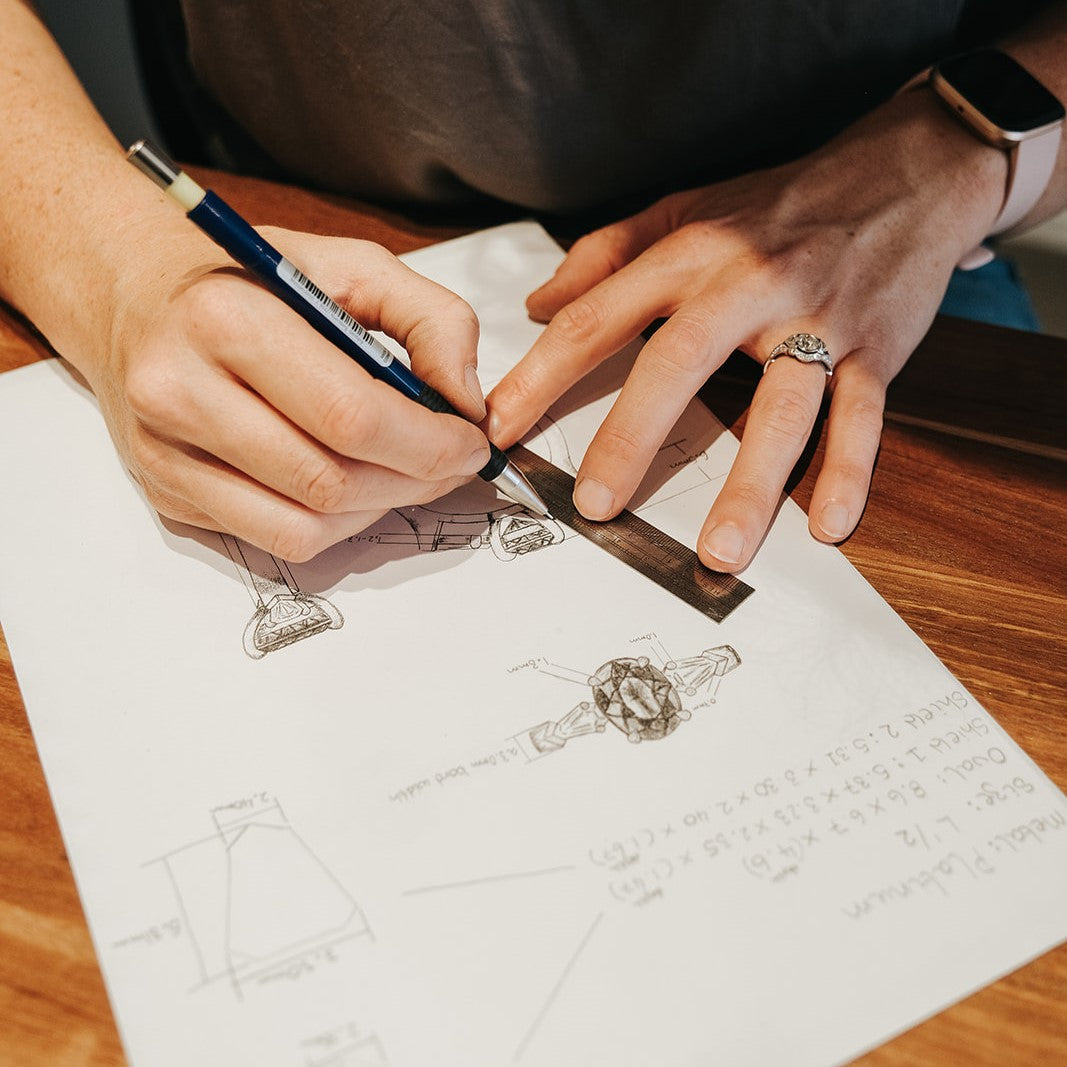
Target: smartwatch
{"points": [[1004, 105]]}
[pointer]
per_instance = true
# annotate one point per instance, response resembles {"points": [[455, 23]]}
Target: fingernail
{"points": [[545, 285], [834, 520], [536, 306], [474, 389], [593, 499], [479, 458], [725, 542]]}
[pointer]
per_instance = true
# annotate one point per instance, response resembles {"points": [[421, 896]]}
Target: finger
{"points": [[594, 257], [854, 429], [311, 382], [666, 375], [172, 506], [259, 442], [437, 328], [205, 492], [780, 419], [580, 336]]}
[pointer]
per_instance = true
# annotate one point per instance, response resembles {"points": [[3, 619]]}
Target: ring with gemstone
{"points": [[803, 346]]}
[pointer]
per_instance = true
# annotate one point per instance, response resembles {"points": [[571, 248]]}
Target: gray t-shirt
{"points": [[551, 105]]}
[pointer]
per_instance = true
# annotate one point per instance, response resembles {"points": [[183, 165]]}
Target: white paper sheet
{"points": [[415, 831]]}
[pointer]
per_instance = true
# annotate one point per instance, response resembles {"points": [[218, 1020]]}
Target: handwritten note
{"points": [[465, 790], [917, 782]]}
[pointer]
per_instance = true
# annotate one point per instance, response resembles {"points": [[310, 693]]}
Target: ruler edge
{"points": [[739, 590]]}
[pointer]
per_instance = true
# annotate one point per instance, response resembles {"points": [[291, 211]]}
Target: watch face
{"points": [[1001, 90]]}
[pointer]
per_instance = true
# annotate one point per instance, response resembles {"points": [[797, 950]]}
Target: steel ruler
{"points": [[637, 543]]}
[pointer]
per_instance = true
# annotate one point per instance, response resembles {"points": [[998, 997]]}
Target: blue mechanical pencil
{"points": [[224, 226]]}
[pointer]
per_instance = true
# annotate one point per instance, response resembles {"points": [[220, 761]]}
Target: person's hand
{"points": [[228, 408], [235, 415], [854, 244]]}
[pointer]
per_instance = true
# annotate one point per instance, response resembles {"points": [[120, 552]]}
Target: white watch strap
{"points": [[1030, 166]]}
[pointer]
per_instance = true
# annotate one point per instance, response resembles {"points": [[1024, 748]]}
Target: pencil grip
{"points": [[431, 399], [497, 462]]}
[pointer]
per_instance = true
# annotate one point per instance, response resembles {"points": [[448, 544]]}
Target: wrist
{"points": [[999, 102], [955, 180], [65, 246], [99, 260]]}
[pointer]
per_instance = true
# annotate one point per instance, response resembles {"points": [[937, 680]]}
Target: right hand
{"points": [[235, 415]]}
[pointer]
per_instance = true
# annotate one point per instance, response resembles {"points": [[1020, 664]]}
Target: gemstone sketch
{"points": [[642, 701]]}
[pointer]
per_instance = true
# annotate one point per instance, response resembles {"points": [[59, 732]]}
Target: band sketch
{"points": [[284, 614], [463, 521], [640, 700], [509, 531], [256, 901]]}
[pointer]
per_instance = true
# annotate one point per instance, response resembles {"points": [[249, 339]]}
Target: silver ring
{"points": [[803, 346]]}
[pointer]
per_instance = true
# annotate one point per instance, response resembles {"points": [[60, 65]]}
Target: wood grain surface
{"points": [[965, 535]]}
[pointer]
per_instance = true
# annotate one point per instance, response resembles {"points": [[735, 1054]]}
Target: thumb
{"points": [[437, 328]]}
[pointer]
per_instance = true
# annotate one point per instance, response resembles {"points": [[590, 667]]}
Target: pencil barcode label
{"points": [[295, 279]]}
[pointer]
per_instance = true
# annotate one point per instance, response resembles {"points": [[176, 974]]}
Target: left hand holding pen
{"points": [[853, 244]]}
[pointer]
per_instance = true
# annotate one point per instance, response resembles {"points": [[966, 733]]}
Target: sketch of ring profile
{"points": [[465, 519], [284, 614], [509, 531]]}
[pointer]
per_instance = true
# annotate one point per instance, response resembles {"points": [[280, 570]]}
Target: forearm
{"points": [[69, 203]]}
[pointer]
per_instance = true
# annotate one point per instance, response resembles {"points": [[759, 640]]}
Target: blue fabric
{"points": [[993, 293]]}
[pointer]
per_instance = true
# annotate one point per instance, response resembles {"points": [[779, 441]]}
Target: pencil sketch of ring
{"points": [[805, 347]]}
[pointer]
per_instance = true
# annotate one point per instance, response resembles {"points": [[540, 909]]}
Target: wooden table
{"points": [[965, 536]]}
